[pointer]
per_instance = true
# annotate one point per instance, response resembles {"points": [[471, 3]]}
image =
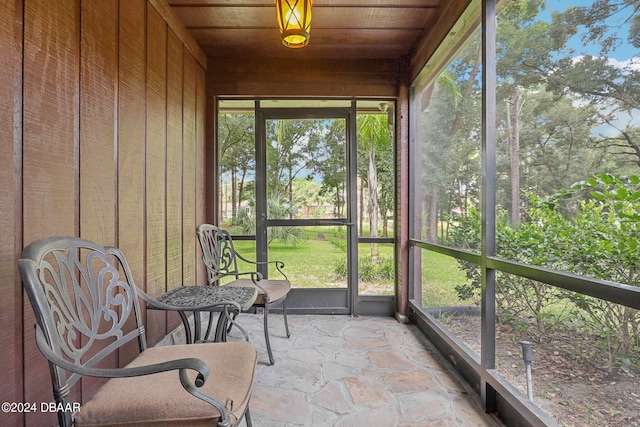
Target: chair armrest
{"points": [[255, 276], [182, 365], [279, 264], [187, 363]]}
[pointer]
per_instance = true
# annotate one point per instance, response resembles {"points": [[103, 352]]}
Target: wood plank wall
{"points": [[102, 118], [10, 207], [304, 77]]}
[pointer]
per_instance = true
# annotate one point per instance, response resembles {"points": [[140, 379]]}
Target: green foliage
{"points": [[278, 207], [338, 243], [465, 231], [337, 238], [245, 222], [292, 148], [340, 270], [368, 270], [596, 237], [605, 246], [386, 268], [375, 166]]}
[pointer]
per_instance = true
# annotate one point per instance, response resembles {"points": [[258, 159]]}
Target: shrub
{"points": [[279, 207], [368, 271], [596, 237]]}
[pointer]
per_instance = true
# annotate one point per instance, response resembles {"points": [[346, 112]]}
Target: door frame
{"points": [[312, 300]]}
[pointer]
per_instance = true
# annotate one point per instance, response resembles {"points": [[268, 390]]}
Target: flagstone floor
{"points": [[354, 371]]}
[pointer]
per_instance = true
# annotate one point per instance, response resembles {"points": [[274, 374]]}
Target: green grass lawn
{"points": [[309, 264], [312, 264], [440, 275]]}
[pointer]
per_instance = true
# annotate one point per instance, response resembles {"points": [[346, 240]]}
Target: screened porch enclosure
{"points": [[310, 167], [467, 167], [523, 187]]}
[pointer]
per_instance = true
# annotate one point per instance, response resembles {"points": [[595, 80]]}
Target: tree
{"points": [[611, 86], [603, 244], [280, 207], [373, 136], [535, 56], [450, 130], [236, 151], [331, 165], [554, 135], [521, 40], [308, 193], [514, 105], [386, 180], [292, 147]]}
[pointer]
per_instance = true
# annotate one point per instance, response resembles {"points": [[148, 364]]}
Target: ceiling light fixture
{"points": [[294, 19]]}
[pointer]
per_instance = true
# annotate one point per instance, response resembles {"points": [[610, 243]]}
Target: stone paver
{"points": [[339, 371]]}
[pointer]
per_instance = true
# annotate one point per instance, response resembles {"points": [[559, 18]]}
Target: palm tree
{"points": [[373, 135]]}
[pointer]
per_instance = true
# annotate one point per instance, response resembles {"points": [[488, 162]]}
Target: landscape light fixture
{"points": [[294, 19]]}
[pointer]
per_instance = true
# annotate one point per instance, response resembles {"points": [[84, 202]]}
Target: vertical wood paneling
{"points": [[156, 167], [50, 164], [131, 145], [313, 77], [86, 113], [201, 194], [174, 167], [10, 302], [189, 176], [50, 94], [98, 79], [189, 43]]}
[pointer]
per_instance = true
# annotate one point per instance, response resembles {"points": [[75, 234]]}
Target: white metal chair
{"points": [[221, 259]]}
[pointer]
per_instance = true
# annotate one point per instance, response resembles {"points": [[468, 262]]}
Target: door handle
{"points": [[321, 222]]}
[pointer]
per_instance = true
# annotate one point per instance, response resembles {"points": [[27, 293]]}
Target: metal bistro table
{"points": [[211, 299]]}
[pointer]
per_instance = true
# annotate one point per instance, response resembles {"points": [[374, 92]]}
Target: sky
{"points": [[622, 54]]}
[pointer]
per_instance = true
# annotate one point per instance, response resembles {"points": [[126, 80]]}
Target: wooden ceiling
{"points": [[349, 29]]}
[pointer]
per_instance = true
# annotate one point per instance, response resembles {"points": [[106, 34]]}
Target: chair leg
{"points": [[221, 328], [234, 316], [209, 326], [266, 333], [284, 314], [247, 418], [187, 328]]}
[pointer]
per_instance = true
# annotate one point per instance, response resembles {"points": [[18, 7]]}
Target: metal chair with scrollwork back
{"points": [[86, 307], [221, 260]]}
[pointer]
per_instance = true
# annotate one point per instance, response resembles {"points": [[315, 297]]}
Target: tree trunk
{"points": [[373, 200], [234, 196], [241, 187], [361, 209], [222, 204], [385, 224], [432, 216], [514, 109]]}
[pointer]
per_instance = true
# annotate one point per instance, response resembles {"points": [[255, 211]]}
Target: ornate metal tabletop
{"points": [[194, 296], [208, 298]]}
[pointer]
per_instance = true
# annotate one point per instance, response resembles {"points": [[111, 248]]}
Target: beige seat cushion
{"points": [[160, 399], [277, 289]]}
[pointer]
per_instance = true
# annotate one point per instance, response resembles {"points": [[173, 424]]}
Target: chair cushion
{"points": [[277, 289], [160, 399]]}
